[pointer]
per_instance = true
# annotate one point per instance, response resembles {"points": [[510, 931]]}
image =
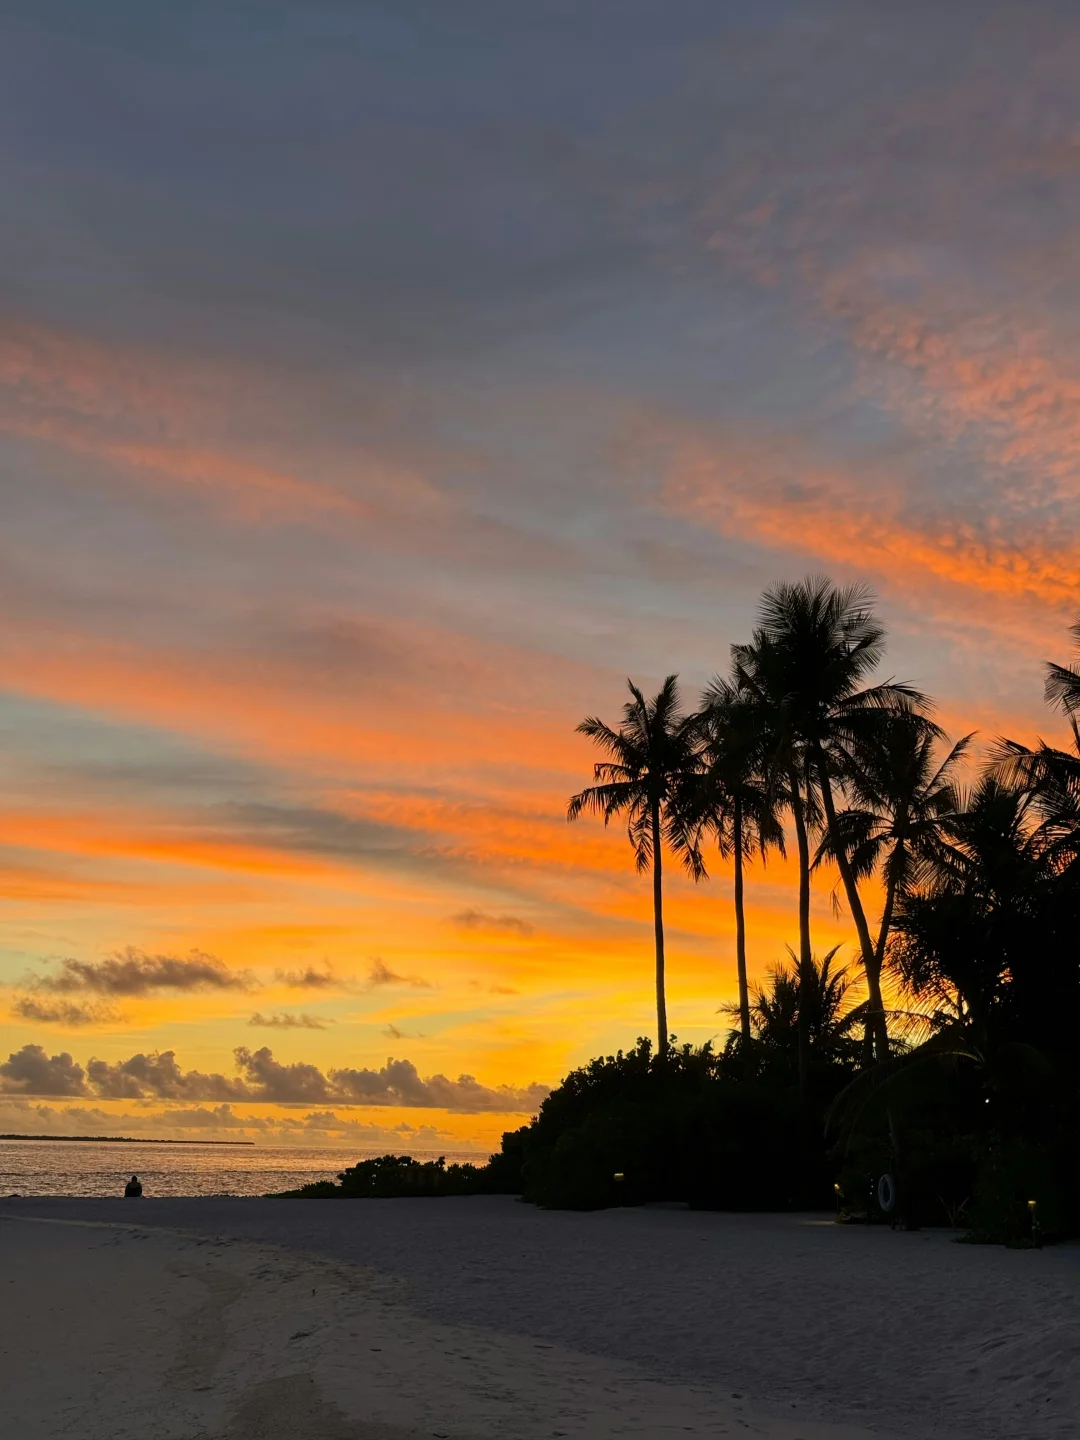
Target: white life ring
{"points": [[886, 1193]]}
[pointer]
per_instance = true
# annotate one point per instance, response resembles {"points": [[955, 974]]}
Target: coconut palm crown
{"points": [[815, 647]]}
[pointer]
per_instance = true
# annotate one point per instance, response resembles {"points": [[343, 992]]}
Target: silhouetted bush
{"points": [[394, 1176]]}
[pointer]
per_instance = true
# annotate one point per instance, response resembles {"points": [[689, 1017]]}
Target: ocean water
{"points": [[95, 1167]]}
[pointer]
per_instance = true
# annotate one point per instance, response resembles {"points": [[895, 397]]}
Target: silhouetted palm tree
{"points": [[1052, 775], [1063, 682], [819, 997], [758, 673], [990, 939], [652, 762], [903, 799], [813, 649], [735, 800], [964, 934]]}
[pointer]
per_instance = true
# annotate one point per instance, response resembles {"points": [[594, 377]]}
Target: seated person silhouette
{"points": [[133, 1189]]}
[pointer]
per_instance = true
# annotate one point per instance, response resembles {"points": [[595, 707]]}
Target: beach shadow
{"points": [[293, 1408], [204, 1330]]}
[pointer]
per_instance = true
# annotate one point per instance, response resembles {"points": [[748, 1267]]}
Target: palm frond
{"points": [[605, 801], [1062, 689]]}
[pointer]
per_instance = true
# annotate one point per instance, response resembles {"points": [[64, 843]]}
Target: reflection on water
{"points": [[91, 1167]]}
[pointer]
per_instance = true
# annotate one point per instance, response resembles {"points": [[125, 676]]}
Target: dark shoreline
{"points": [[123, 1140]]}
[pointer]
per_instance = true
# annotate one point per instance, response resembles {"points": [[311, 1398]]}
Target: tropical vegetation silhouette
{"points": [[932, 1075]]}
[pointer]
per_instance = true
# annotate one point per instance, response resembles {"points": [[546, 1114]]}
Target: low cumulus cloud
{"points": [[287, 1021], [267, 1079], [498, 924], [158, 1076], [31, 1071], [70, 1014], [134, 972], [398, 1082]]}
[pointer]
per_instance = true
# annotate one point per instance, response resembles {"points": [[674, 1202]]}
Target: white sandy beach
{"points": [[261, 1320]]}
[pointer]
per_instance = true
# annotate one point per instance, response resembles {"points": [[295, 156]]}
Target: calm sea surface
{"points": [[89, 1167]]}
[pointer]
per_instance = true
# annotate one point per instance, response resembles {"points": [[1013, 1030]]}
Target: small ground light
{"points": [[1033, 1208], [619, 1177], [839, 1197]]}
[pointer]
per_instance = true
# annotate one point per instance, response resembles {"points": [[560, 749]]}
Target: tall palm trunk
{"points": [[871, 964], [806, 961], [894, 868], [658, 927], [740, 928], [879, 950], [895, 1134], [886, 923]]}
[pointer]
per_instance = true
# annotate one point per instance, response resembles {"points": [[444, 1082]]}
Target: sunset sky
{"points": [[380, 386]]}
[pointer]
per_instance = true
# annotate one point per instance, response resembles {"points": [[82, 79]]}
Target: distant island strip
{"points": [[125, 1140]]}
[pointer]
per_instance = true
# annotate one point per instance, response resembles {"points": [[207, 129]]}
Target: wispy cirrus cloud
{"points": [[836, 518], [142, 412]]}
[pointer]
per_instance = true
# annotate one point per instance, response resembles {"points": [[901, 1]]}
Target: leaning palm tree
{"points": [[652, 762], [814, 648], [903, 801], [735, 800]]}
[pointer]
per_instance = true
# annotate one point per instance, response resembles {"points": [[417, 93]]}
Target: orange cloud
{"points": [[282, 709], [767, 496], [117, 407], [147, 837], [959, 368]]}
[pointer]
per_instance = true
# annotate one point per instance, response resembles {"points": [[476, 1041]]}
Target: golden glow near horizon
{"points": [[337, 493]]}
